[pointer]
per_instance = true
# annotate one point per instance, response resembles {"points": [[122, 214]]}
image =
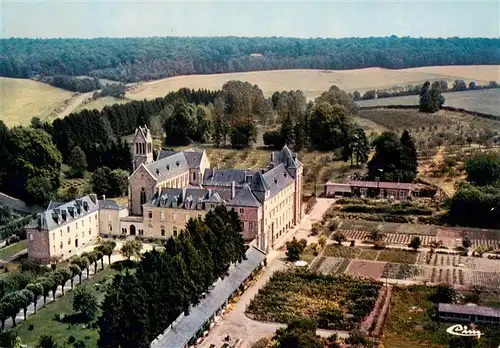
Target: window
{"points": [[95, 217], [110, 228], [175, 231], [199, 216], [163, 231], [60, 232], [53, 236], [141, 232], [250, 226], [242, 211], [69, 241], [90, 219], [124, 231], [194, 176], [150, 214], [90, 231], [77, 225], [83, 222], [162, 215], [61, 246], [143, 196], [30, 236], [68, 229]]}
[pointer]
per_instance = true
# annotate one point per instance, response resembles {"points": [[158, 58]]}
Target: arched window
{"points": [[143, 196], [175, 231], [110, 228]]}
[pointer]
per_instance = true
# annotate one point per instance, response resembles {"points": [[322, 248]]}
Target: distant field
{"points": [[21, 99], [313, 82], [486, 101], [100, 103]]}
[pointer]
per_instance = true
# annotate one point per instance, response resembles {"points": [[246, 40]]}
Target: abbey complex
{"points": [[165, 193]]}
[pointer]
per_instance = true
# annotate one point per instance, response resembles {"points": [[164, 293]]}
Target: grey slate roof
{"points": [[193, 157], [65, 213], [183, 331], [224, 177], [469, 310], [186, 198], [167, 167], [17, 204], [277, 178], [245, 198], [54, 204], [108, 204], [286, 157]]}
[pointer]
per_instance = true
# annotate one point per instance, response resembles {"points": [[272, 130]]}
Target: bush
{"points": [[71, 339], [310, 204], [379, 245]]}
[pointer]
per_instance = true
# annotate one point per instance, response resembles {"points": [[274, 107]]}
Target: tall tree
{"points": [[77, 162], [287, 130], [124, 320], [483, 169], [32, 156]]}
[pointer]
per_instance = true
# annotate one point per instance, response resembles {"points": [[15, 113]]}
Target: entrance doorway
{"points": [[132, 230]]}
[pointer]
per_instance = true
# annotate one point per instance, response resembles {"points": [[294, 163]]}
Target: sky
{"points": [[299, 18]]}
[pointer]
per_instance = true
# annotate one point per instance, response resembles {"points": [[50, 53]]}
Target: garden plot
{"points": [[333, 250], [489, 280], [366, 269], [329, 265], [452, 237], [397, 256], [417, 230], [487, 265], [359, 225], [401, 271], [334, 301]]}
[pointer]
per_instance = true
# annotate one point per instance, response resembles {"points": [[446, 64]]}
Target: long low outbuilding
{"points": [[187, 329], [469, 314]]}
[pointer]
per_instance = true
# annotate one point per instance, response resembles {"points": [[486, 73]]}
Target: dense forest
{"points": [[136, 59]]}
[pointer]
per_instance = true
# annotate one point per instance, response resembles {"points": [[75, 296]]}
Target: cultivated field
{"points": [[21, 99], [486, 101], [314, 82], [100, 103], [416, 267]]}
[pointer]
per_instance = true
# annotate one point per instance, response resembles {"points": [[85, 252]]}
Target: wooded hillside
{"points": [[136, 59]]}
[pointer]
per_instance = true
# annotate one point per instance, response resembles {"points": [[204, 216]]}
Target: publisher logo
{"points": [[463, 330]]}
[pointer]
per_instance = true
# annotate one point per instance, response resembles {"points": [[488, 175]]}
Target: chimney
{"points": [[233, 189]]}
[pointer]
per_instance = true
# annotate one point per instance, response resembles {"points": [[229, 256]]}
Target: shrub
{"points": [[379, 245], [71, 339], [310, 204]]}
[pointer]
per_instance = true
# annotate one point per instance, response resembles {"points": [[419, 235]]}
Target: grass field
{"points": [[44, 321], [314, 82], [100, 103], [13, 248], [21, 99], [486, 101]]}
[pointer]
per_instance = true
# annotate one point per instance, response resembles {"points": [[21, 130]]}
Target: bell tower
{"points": [[142, 147]]}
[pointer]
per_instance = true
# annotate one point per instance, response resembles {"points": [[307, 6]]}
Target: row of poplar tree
{"points": [[139, 306]]}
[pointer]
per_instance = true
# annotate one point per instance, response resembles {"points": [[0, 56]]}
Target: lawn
{"points": [[45, 322], [334, 301], [409, 323], [397, 256], [10, 250]]}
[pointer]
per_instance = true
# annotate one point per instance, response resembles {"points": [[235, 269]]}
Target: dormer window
{"points": [[177, 163], [157, 171], [168, 166]]}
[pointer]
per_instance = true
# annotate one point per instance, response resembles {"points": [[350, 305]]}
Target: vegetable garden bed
{"points": [[334, 301]]}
